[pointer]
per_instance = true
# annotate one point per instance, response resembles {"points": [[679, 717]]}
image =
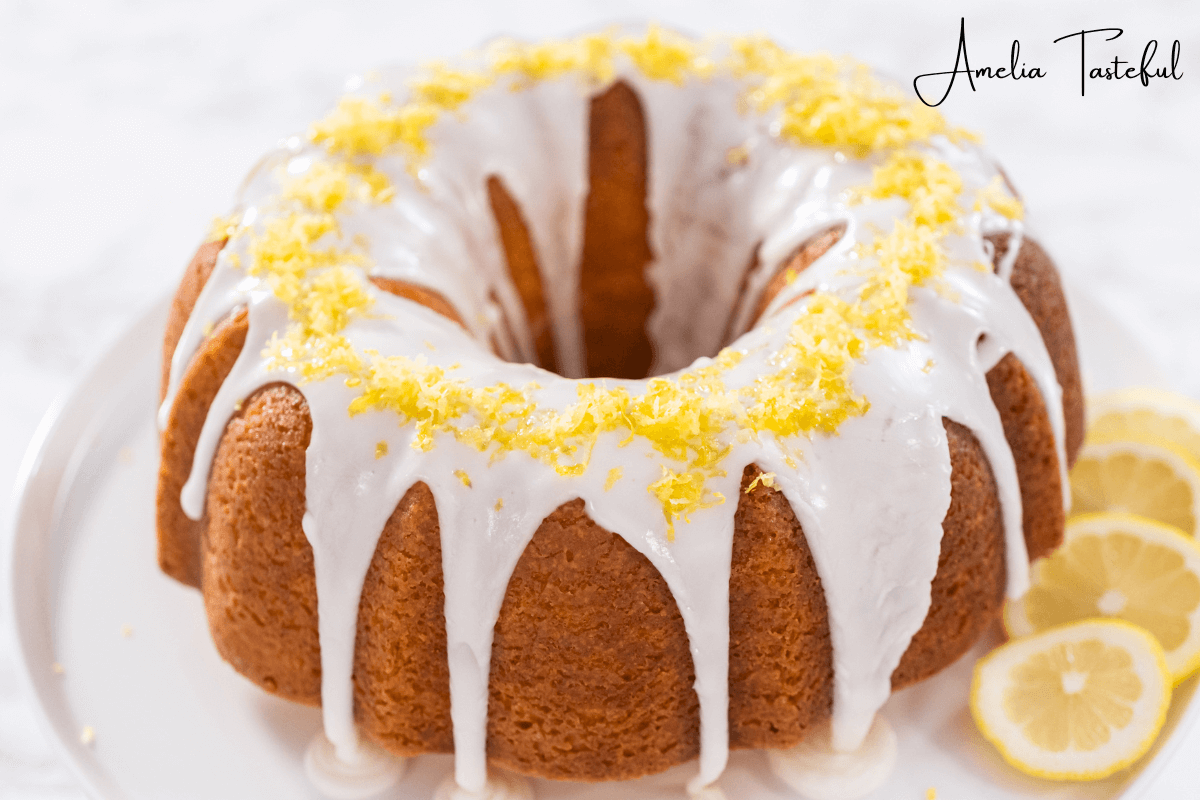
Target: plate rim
{"points": [[29, 473]]}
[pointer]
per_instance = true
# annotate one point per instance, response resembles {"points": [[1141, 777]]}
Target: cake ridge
{"points": [[858, 341]]}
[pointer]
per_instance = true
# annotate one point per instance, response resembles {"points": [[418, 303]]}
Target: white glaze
{"points": [[885, 472], [500, 786], [818, 771], [709, 791], [367, 774]]}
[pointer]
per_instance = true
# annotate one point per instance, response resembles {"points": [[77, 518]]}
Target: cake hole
{"points": [[743, 287], [796, 299], [506, 329], [523, 269], [801, 259], [432, 300], [616, 298]]}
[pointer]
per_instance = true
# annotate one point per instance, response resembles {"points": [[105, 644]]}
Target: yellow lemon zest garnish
{"points": [[682, 493], [442, 87], [223, 227], [614, 475], [590, 55], [930, 185], [997, 197], [360, 126], [821, 100], [325, 185], [831, 102], [691, 420], [663, 56], [766, 479]]}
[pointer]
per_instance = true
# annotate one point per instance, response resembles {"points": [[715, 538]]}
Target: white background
{"points": [[126, 126]]}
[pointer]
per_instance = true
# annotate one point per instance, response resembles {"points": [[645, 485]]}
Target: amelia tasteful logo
{"points": [[934, 87]]}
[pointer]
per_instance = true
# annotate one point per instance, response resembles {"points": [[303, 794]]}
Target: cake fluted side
{"points": [[895, 396], [615, 299], [1036, 282], [257, 581]]}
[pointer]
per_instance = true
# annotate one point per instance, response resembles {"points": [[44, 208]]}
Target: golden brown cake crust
{"points": [[581, 603], [969, 587], [1031, 439], [178, 536], [401, 676], [809, 251], [261, 599], [258, 583], [1036, 281], [614, 297], [591, 675], [748, 271], [419, 294], [780, 651], [194, 278], [523, 268]]}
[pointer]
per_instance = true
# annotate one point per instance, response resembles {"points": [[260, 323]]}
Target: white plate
{"points": [[172, 720]]}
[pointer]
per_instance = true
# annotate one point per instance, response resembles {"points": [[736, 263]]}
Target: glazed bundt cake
{"points": [[591, 406]]}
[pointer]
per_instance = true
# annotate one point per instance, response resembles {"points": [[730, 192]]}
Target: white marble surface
{"points": [[125, 126]]}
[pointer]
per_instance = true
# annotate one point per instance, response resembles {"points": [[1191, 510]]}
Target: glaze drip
{"points": [[837, 393]]}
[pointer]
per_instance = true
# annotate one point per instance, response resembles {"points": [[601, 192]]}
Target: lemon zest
{"points": [[690, 420], [614, 475], [996, 196], [767, 479], [223, 228]]}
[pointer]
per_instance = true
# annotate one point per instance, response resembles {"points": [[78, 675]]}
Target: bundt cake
{"points": [[590, 406]]}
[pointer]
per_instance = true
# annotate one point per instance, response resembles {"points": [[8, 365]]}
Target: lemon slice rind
{"points": [[1145, 414], [1182, 660], [1180, 462], [1126, 745]]}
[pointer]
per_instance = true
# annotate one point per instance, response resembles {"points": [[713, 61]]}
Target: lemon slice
{"points": [[1078, 702], [1147, 415], [1151, 479], [1124, 567]]}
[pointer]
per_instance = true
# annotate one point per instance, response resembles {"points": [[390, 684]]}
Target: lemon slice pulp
{"points": [[1146, 414], [1123, 567], [1077, 702], [1151, 479]]}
